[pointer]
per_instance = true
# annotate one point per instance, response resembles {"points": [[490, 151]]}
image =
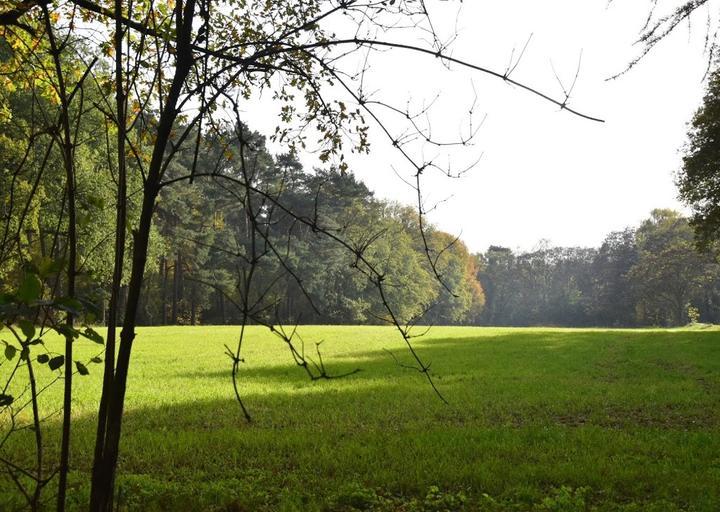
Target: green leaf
{"points": [[70, 305], [90, 310], [27, 328], [96, 201], [56, 362], [96, 360], [49, 266], [43, 358], [25, 353], [10, 352], [81, 368], [30, 289], [6, 400], [83, 220], [65, 330], [93, 335]]}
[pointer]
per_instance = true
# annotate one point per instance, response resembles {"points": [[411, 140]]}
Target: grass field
{"points": [[539, 420]]}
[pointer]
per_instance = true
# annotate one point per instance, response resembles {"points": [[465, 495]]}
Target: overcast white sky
{"points": [[546, 174]]}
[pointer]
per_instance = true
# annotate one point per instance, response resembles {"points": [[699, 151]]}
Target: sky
{"points": [[543, 173]]}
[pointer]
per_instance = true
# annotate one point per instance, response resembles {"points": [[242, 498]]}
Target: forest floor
{"points": [[538, 420]]}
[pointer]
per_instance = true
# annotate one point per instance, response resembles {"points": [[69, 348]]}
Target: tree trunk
{"points": [[181, 281], [122, 305], [222, 307], [103, 318], [103, 481], [100, 499], [681, 313], [67, 146], [176, 289], [192, 304], [163, 292], [43, 246]]}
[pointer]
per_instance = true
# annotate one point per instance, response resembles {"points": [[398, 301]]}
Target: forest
{"points": [[649, 275]]}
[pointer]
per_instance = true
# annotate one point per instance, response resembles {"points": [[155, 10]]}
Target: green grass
{"points": [[539, 419]]}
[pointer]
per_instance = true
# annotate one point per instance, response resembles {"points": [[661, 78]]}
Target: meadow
{"points": [[538, 420]]}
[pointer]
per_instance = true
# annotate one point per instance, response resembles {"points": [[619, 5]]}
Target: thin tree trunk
{"points": [[43, 248], [681, 313], [121, 305], [103, 482], [35, 503], [176, 289], [192, 304], [98, 499], [67, 156], [163, 289], [181, 278], [222, 308], [103, 307]]}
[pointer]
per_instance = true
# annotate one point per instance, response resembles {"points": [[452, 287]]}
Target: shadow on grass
{"points": [[608, 379], [528, 411], [562, 352]]}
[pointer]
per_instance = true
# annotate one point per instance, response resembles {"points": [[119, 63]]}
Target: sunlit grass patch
{"points": [[537, 418]]}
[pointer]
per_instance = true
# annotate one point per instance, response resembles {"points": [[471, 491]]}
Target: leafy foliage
{"points": [[699, 178], [652, 275]]}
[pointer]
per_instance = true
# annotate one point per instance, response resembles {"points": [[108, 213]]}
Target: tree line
{"points": [[644, 276], [201, 236], [652, 275]]}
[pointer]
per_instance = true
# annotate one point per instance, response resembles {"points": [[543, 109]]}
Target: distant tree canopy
{"points": [[699, 177], [648, 275], [652, 275], [200, 231]]}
